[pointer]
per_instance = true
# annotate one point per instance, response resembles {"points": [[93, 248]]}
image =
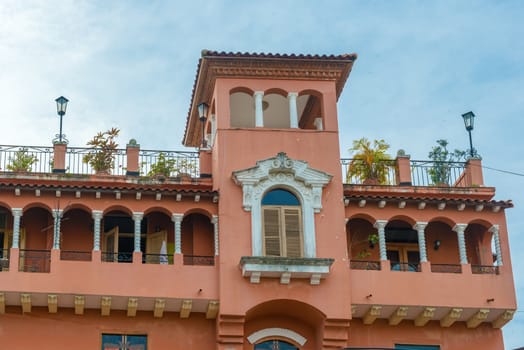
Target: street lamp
{"points": [[61, 105], [202, 116], [469, 119]]}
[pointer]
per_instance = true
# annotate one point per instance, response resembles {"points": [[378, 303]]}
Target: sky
{"points": [[421, 64]]}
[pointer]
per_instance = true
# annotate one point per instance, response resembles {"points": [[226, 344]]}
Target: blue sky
{"points": [[421, 65]]}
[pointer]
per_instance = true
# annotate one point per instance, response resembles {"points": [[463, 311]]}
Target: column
{"points": [[259, 113], [420, 227], [57, 215], [97, 218], [293, 114], [381, 226], [17, 214], [214, 221], [137, 217], [177, 219], [496, 238], [459, 229]]}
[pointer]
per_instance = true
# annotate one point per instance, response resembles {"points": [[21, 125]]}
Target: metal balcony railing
{"points": [[199, 260], [118, 257], [184, 163], [485, 269], [74, 255], [39, 159], [446, 268], [405, 266], [364, 265], [34, 260], [159, 259], [12, 157], [389, 173], [428, 173]]}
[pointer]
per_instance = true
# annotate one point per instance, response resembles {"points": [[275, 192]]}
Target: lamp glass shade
{"points": [[202, 111], [61, 105], [469, 119]]}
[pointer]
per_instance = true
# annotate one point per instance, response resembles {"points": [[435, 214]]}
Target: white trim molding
{"points": [[283, 172], [276, 332]]}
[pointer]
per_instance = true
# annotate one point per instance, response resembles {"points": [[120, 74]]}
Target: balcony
{"points": [[45, 276], [446, 293], [131, 161], [421, 173]]}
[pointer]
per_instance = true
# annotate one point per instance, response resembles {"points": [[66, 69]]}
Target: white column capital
{"points": [[460, 228], [420, 225], [292, 95], [58, 212], [258, 93], [494, 229], [177, 217], [97, 214], [214, 219], [17, 211], [380, 224], [138, 215]]}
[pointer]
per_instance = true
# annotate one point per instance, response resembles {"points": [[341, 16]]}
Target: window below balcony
{"points": [[124, 342]]}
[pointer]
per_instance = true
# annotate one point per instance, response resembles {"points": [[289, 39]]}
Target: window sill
{"points": [[284, 268]]}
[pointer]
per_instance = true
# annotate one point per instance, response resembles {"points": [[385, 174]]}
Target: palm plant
{"points": [[369, 163]]}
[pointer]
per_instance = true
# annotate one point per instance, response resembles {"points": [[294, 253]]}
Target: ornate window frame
{"points": [[290, 174]]}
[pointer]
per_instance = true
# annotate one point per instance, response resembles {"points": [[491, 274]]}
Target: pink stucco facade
{"points": [[182, 261]]}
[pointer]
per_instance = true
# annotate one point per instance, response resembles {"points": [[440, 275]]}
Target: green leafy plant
{"points": [[369, 163], [167, 167], [102, 156], [372, 240], [442, 158], [22, 161]]}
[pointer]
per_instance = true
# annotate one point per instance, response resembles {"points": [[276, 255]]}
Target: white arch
{"points": [[276, 332]]}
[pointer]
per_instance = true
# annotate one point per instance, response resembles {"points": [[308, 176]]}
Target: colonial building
{"points": [[260, 240]]}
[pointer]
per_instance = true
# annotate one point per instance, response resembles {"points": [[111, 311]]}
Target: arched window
{"points": [[275, 345], [282, 224]]}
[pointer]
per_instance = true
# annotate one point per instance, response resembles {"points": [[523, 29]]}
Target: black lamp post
{"points": [[61, 105], [469, 119], [202, 116]]}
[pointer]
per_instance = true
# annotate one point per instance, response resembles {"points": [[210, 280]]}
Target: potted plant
{"points": [[442, 158], [369, 163], [166, 167], [103, 148], [22, 161]]}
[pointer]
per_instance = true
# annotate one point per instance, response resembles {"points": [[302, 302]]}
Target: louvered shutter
{"points": [[272, 232], [292, 233]]}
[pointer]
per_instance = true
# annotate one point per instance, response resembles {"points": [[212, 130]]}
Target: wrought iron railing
{"points": [[181, 163], [34, 260], [446, 268], [199, 260], [75, 164], [364, 265], [120, 257], [36, 159], [429, 173], [74, 255], [39, 159], [159, 259], [4, 259], [485, 269], [390, 169], [405, 266]]}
